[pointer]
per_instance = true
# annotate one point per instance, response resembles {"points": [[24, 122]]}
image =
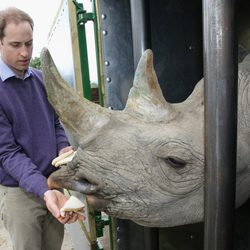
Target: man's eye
{"points": [[15, 45], [28, 44]]}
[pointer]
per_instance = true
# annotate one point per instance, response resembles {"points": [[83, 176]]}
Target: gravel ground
{"points": [[5, 243]]}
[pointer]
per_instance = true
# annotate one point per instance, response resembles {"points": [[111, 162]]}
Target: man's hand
{"points": [[65, 150], [54, 201], [65, 156]]}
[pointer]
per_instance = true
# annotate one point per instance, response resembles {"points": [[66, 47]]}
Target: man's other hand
{"points": [[55, 200]]}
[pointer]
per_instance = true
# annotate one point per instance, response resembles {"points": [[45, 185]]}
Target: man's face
{"points": [[16, 46]]}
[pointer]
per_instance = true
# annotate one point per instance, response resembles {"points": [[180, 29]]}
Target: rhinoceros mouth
{"points": [[59, 180], [97, 203], [84, 187], [80, 185], [67, 178]]}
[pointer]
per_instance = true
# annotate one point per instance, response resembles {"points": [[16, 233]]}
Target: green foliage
{"points": [[35, 62]]}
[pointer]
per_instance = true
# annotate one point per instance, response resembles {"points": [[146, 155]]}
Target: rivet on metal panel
{"points": [[104, 32], [108, 79], [191, 47], [107, 63], [104, 16]]}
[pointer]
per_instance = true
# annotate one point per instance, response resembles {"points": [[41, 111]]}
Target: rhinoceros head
{"points": [[144, 163]]}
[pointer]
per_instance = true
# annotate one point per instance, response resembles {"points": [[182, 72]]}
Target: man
{"points": [[30, 137]]}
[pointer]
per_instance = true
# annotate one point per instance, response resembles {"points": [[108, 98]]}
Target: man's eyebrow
{"points": [[15, 42], [21, 42], [30, 41]]}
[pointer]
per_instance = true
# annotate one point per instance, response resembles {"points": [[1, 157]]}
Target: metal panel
{"points": [[177, 47], [176, 29], [117, 51]]}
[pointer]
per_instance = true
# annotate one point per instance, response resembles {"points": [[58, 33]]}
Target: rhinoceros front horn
{"points": [[79, 115]]}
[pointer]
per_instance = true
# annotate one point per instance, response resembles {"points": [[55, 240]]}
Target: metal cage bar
{"points": [[220, 75], [141, 32]]}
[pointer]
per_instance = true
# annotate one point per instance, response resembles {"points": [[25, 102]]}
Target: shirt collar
{"points": [[6, 72]]}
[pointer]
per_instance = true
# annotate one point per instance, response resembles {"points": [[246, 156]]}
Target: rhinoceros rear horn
{"points": [[79, 115], [145, 98]]}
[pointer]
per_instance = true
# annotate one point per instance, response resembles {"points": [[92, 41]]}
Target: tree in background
{"points": [[35, 62]]}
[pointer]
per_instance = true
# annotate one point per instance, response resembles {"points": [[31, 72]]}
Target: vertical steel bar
{"points": [[98, 48], [141, 28], [220, 75], [141, 33]]}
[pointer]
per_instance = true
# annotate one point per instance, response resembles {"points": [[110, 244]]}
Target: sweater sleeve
{"points": [[16, 163]]}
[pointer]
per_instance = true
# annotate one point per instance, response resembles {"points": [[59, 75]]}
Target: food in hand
{"points": [[73, 204], [64, 158]]}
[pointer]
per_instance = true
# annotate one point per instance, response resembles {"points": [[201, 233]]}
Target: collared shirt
{"points": [[30, 131], [6, 72]]}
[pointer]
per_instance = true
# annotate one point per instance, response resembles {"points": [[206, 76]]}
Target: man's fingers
{"points": [[64, 219], [66, 149], [80, 216], [55, 211], [61, 157], [65, 160], [71, 217]]}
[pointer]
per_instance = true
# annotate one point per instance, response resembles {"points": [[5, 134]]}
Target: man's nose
{"points": [[25, 51]]}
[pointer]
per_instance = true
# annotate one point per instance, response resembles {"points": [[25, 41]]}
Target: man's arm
{"points": [[16, 163], [20, 167]]}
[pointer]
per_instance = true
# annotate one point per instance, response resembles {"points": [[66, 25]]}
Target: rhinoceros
{"points": [[146, 162]]}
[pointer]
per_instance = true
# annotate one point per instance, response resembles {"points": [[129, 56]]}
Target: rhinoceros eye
{"points": [[175, 162]]}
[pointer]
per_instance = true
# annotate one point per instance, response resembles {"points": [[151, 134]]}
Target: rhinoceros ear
{"points": [[145, 98], [79, 115], [196, 99]]}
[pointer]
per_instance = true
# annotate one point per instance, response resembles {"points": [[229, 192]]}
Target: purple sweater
{"points": [[30, 132]]}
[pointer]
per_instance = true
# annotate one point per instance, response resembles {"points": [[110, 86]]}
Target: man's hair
{"points": [[13, 15]]}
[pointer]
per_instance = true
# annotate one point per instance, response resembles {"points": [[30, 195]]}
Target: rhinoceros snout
{"points": [[64, 178]]}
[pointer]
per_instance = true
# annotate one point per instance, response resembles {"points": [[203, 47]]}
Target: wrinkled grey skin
{"points": [[145, 163]]}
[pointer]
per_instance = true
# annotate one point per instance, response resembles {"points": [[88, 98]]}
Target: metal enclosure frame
{"points": [[221, 56]]}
